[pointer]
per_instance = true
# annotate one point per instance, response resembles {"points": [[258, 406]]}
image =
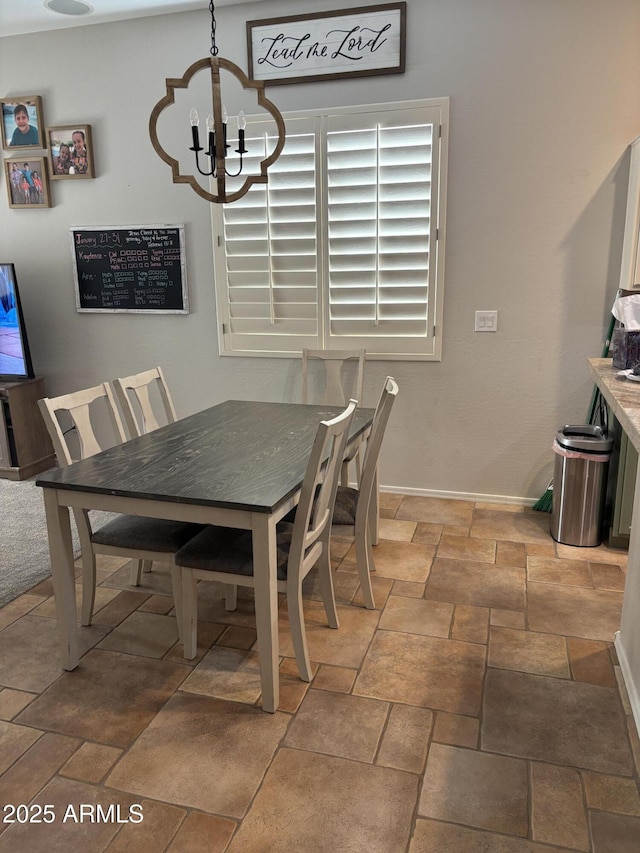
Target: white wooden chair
{"points": [[143, 397], [356, 507], [136, 394], [225, 555], [142, 539], [341, 379], [334, 389]]}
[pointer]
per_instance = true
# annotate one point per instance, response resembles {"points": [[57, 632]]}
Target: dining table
{"points": [[237, 464]]}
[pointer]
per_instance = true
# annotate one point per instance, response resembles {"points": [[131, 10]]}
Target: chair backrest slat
{"points": [[334, 392], [134, 396], [79, 408]]}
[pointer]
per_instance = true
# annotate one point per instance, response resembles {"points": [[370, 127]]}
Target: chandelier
{"points": [[216, 143]]}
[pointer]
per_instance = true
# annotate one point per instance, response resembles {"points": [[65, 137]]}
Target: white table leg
{"points": [[266, 604], [63, 577]]}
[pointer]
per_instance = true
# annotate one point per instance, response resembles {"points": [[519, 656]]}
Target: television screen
{"points": [[15, 359]]}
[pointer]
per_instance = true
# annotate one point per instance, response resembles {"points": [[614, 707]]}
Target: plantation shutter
{"points": [[342, 248], [380, 169], [269, 257]]}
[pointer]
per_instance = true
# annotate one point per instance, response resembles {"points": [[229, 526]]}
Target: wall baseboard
{"points": [[507, 500], [632, 687]]}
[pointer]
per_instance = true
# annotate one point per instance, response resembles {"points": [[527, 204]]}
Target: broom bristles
{"points": [[544, 503]]}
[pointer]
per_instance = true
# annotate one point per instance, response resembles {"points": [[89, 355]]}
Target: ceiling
{"points": [[31, 16]]}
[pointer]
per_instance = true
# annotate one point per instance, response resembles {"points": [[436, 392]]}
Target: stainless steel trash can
{"points": [[579, 484]]}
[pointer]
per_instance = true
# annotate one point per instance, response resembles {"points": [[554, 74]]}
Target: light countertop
{"points": [[622, 395]]}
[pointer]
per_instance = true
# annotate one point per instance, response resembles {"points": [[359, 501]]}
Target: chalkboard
{"points": [[134, 268]]}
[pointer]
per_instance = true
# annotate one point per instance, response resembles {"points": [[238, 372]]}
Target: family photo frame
{"points": [[27, 180], [71, 152], [22, 124]]}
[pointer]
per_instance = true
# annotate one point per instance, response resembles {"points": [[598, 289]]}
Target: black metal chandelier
{"points": [[211, 149], [217, 144]]}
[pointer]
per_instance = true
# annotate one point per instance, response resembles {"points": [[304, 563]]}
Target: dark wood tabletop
{"points": [[238, 454]]}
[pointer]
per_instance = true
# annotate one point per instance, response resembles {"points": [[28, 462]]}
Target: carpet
{"points": [[24, 545]]}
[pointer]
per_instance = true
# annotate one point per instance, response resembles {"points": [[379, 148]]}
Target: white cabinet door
{"points": [[630, 267]]}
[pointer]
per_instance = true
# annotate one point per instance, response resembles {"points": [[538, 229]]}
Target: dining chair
{"points": [[356, 507], [225, 555], [142, 397], [136, 394], [339, 377], [332, 385], [91, 423]]}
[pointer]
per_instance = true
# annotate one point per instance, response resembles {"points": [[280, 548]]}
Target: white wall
{"points": [[545, 98]]}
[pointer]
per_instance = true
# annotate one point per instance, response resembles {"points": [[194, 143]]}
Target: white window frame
{"points": [[276, 345]]}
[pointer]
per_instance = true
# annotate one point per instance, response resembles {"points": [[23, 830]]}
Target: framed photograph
{"points": [[71, 152], [364, 41], [27, 182], [22, 125]]}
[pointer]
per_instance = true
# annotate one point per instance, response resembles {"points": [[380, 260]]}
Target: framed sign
{"points": [[136, 268], [364, 41]]}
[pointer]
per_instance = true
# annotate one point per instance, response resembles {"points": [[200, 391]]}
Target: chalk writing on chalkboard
{"points": [[139, 269]]}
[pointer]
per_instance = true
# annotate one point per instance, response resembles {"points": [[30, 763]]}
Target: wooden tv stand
{"points": [[25, 446]]}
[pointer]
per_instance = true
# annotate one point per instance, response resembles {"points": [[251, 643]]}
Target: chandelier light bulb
{"points": [[242, 123], [195, 121], [225, 115]]}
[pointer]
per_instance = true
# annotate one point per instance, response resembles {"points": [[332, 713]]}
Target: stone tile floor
{"points": [[480, 707]]}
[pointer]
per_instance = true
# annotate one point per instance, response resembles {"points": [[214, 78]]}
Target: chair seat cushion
{"points": [[224, 549], [346, 504], [145, 534]]}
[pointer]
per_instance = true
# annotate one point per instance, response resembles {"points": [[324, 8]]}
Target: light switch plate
{"points": [[486, 321]]}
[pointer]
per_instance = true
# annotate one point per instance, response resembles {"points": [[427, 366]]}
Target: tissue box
{"points": [[625, 348]]}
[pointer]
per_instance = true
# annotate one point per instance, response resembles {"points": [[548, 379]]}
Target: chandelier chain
{"points": [[214, 48]]}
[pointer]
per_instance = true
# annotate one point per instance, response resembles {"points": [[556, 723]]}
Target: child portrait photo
{"points": [[71, 151], [22, 122], [27, 183]]}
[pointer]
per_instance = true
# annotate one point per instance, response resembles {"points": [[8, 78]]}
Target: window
{"points": [[344, 246]]}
